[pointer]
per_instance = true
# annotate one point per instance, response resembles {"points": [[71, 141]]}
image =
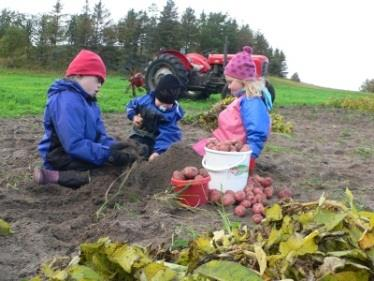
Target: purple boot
{"points": [[44, 176], [70, 178]]}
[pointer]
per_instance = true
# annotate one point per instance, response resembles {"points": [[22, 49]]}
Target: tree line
{"points": [[50, 40]]}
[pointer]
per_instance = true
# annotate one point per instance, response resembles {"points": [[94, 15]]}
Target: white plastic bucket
{"points": [[227, 170]]}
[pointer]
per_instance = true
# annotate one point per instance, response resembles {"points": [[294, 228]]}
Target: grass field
{"points": [[23, 93]]}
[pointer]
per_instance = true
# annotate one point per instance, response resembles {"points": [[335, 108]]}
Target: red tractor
{"points": [[202, 76]]}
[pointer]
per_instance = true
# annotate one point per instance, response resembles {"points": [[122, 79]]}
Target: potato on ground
{"points": [[239, 196], [240, 211], [258, 208], [257, 218], [215, 196], [228, 199], [285, 193], [268, 191], [246, 203]]}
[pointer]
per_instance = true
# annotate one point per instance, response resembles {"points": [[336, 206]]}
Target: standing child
{"points": [[75, 139], [247, 118], [155, 117]]}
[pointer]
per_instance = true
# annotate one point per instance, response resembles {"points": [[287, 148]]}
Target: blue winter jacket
{"points": [[74, 118], [168, 130], [256, 122]]}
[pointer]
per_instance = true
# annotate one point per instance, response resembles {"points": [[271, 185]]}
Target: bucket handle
{"points": [[203, 162]]}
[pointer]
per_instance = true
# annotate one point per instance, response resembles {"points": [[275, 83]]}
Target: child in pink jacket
{"points": [[247, 118]]}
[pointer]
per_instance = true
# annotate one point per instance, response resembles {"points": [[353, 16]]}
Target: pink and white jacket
{"points": [[246, 119]]}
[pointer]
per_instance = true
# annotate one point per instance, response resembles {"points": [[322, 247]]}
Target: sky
{"points": [[328, 43]]}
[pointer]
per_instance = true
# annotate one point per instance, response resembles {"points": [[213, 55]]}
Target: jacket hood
{"points": [[63, 85]]}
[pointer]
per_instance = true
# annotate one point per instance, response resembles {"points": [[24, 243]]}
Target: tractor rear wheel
{"points": [[169, 64], [163, 65], [225, 92], [197, 95]]}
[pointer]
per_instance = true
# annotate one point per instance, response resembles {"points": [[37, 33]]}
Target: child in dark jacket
{"points": [[75, 139], [155, 117]]}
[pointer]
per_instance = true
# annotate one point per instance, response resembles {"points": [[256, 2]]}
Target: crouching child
{"points": [[155, 117]]}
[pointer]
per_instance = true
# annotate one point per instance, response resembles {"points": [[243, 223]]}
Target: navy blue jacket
{"points": [[168, 130], [74, 117]]}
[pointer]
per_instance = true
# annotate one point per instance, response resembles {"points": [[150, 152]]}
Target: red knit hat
{"points": [[242, 66], [87, 63]]}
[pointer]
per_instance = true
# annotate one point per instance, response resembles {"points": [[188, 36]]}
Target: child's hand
{"points": [[153, 156], [137, 120]]}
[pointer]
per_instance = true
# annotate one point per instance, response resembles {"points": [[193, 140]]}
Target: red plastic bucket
{"points": [[193, 193]]}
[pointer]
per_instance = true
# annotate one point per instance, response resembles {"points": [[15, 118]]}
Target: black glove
{"points": [[151, 119], [124, 145], [122, 157]]}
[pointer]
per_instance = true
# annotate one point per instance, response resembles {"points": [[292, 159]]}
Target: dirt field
{"points": [[330, 150]]}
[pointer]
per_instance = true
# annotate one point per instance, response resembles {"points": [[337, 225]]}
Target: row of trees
{"points": [[50, 40], [367, 86]]}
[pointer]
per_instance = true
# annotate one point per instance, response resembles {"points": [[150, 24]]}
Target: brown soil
{"points": [[330, 150]]}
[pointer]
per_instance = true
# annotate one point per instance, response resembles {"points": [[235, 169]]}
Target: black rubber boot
{"points": [[73, 179]]}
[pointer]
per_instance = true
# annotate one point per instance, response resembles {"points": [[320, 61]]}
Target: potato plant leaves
{"points": [[323, 240], [227, 271], [5, 228]]}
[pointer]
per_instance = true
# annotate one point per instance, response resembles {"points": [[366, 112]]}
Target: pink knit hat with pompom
{"points": [[242, 66]]}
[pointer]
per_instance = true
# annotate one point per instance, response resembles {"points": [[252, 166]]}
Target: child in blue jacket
{"points": [[75, 139], [155, 117], [247, 118]]}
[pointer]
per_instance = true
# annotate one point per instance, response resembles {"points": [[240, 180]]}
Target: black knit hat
{"points": [[168, 89]]}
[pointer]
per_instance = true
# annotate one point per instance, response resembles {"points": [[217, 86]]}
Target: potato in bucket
{"points": [[191, 184]]}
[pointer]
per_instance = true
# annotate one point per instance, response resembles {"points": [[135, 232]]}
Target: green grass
{"points": [[290, 93], [24, 93], [365, 152]]}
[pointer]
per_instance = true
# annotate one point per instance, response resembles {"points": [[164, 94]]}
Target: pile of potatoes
{"points": [[251, 199], [229, 145], [190, 173]]}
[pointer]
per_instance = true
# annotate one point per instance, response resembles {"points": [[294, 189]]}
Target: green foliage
{"points": [[362, 104], [277, 65], [367, 86], [13, 45], [181, 237], [365, 152], [318, 240], [140, 34], [169, 35], [189, 25], [5, 228], [209, 120], [279, 125], [227, 271], [295, 77]]}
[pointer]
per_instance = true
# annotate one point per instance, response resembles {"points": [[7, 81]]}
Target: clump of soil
{"points": [[155, 176]]}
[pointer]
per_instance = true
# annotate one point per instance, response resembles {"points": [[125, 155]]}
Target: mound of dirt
{"points": [[155, 176]]}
